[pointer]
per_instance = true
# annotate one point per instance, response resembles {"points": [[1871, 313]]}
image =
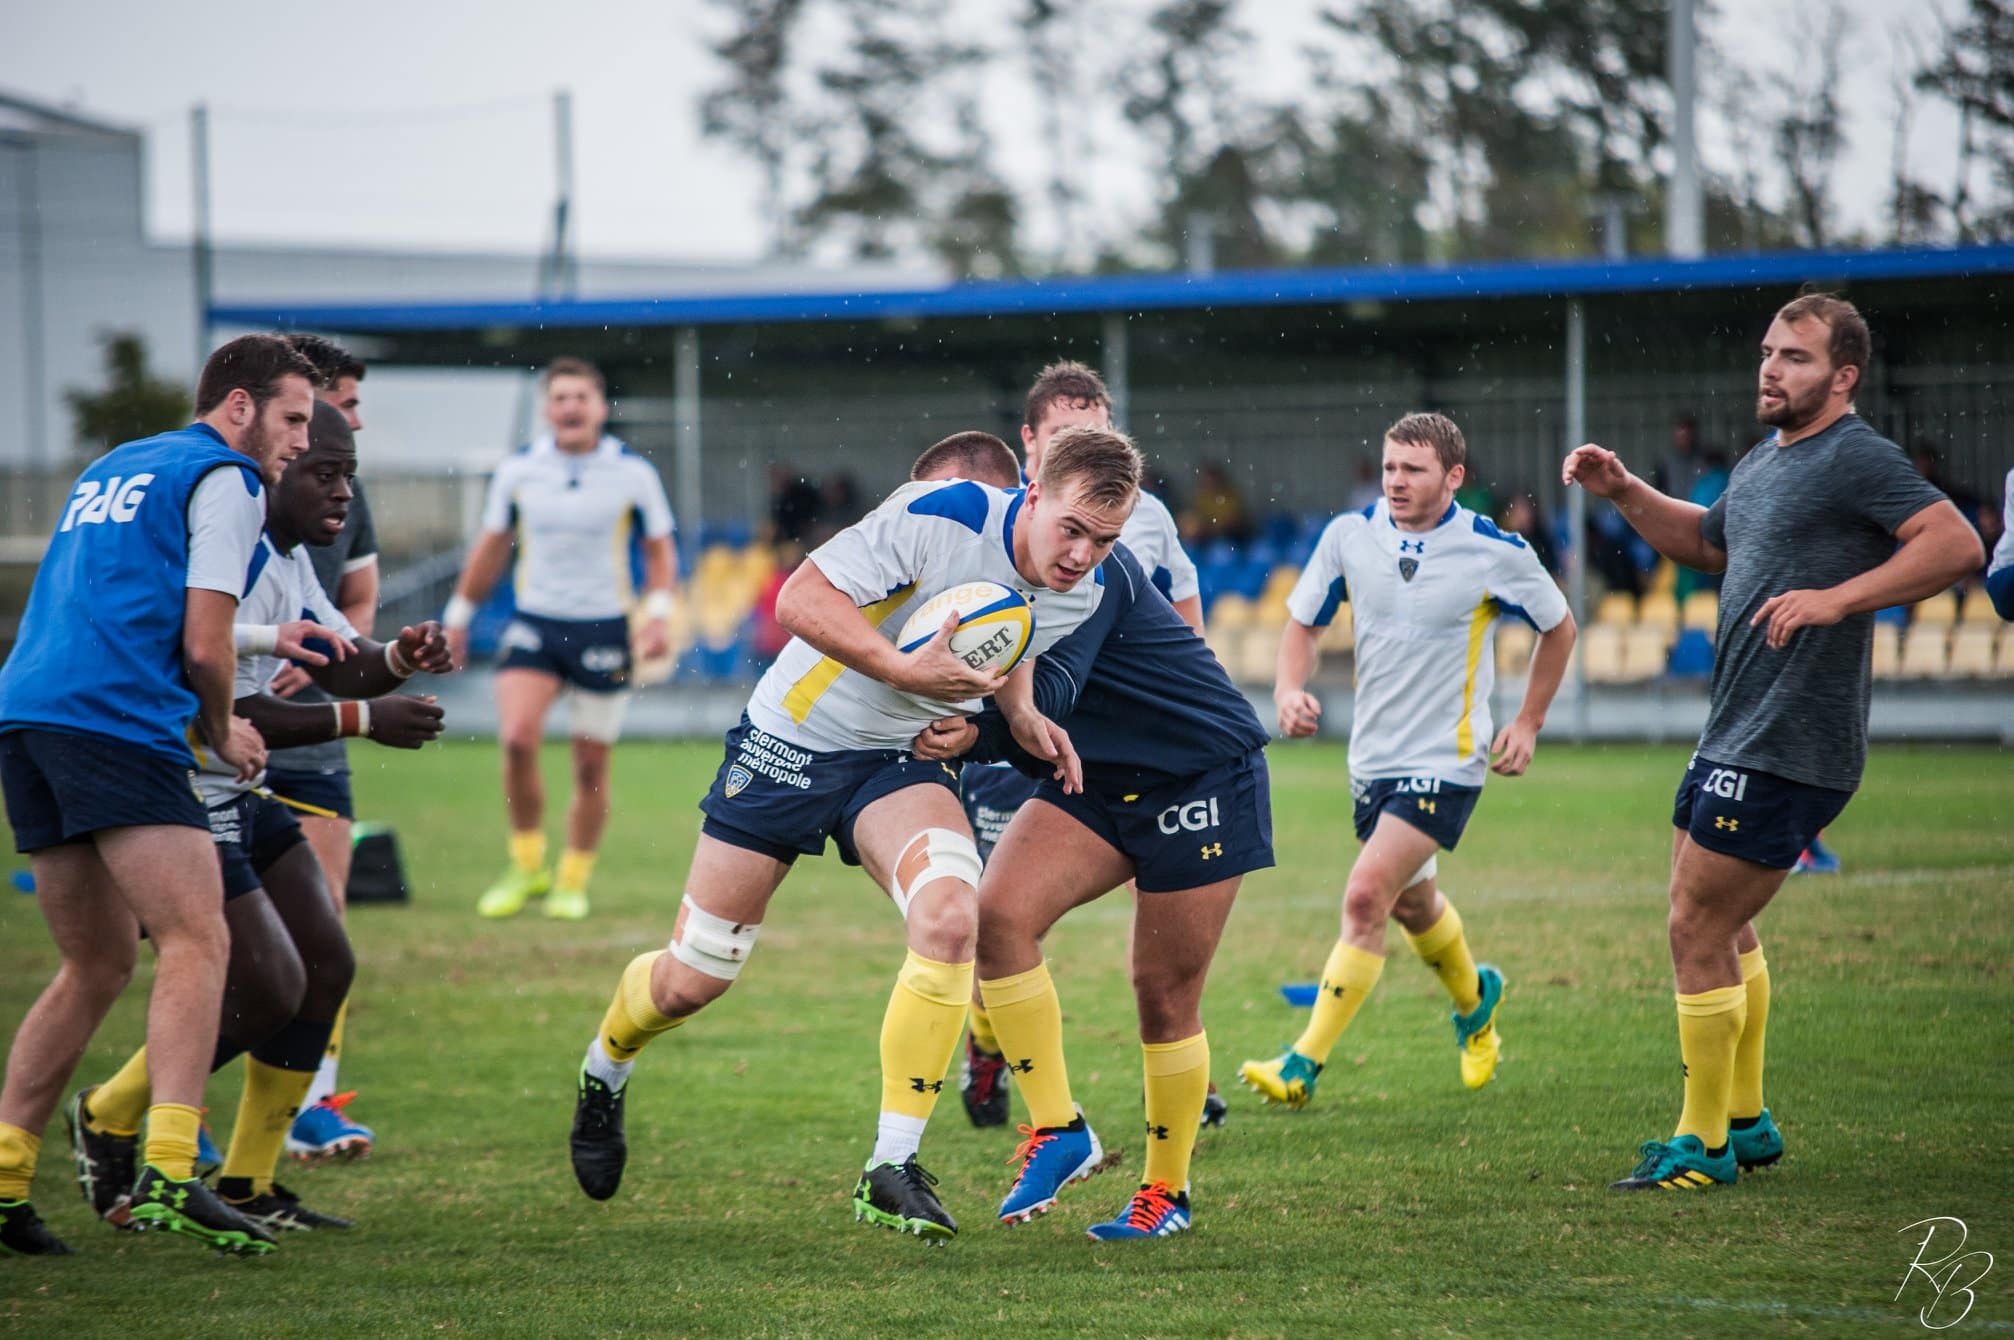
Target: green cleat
{"points": [[513, 889], [566, 904], [899, 1196], [1288, 1079], [192, 1209], [1757, 1145], [1682, 1163]]}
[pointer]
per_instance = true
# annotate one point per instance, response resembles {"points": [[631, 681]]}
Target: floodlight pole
{"points": [[199, 247], [686, 458], [1684, 230], [564, 271], [1115, 358], [1576, 501]]}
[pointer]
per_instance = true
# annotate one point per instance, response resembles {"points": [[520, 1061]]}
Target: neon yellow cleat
{"points": [[1476, 1037], [1288, 1079], [566, 904], [513, 889]]}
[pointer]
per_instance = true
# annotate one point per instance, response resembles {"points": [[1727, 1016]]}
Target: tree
{"points": [[134, 403], [1809, 135], [750, 109], [1974, 72]]}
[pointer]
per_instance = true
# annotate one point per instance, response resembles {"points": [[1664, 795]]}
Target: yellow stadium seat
{"points": [[1702, 610], [1663, 578], [1257, 656], [1232, 613], [1644, 653], [1616, 608], [1281, 582], [1602, 647], [1222, 645], [1515, 640], [1939, 610], [1972, 651], [1978, 608], [1887, 651], [2003, 663], [1923, 651], [1271, 611], [1658, 609]]}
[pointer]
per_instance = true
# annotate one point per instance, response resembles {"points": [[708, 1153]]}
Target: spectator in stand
{"points": [[1367, 490], [1683, 464], [1219, 511], [794, 504], [768, 638], [840, 495], [1706, 491], [1522, 517]]}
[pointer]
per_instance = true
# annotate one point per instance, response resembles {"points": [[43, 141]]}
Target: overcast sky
{"points": [[427, 127]]}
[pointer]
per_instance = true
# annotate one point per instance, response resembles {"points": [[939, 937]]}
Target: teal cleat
{"points": [[1757, 1146], [1288, 1079], [1679, 1164], [1476, 1034]]}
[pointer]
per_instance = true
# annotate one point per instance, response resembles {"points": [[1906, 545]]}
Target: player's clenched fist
{"points": [[1300, 713], [403, 722], [1596, 469]]}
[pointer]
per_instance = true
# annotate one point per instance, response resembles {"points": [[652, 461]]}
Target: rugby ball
{"points": [[995, 625]]}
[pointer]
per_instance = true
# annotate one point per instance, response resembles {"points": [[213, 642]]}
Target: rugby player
{"points": [[1065, 394], [571, 500], [314, 780], [2000, 571], [1823, 523], [823, 751], [291, 963], [1428, 580], [125, 647], [1175, 800]]}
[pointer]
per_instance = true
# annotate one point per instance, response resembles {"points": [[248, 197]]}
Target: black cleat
{"points": [[1215, 1109], [276, 1211], [193, 1209], [22, 1232], [898, 1196], [983, 1085], [597, 1144], [104, 1162]]}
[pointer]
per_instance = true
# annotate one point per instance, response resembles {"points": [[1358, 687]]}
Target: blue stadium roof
{"points": [[1140, 293]]}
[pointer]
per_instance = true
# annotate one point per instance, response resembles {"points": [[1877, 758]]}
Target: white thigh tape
{"points": [[950, 855], [1427, 871], [597, 716], [713, 945]]}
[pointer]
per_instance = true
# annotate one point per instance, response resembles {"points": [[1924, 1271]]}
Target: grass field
{"points": [[1398, 1204]]}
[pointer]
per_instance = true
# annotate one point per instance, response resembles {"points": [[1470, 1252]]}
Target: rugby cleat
{"points": [[1215, 1109], [900, 1196], [1051, 1157], [106, 1163], [1476, 1032], [566, 904], [597, 1145], [278, 1210], [325, 1131], [982, 1084], [1816, 859], [22, 1232], [1287, 1080], [1681, 1163], [514, 888], [192, 1209], [1157, 1210], [1757, 1145]]}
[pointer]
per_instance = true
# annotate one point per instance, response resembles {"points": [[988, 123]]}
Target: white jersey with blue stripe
{"points": [[1150, 533], [2003, 552], [1425, 606], [926, 538], [574, 515], [280, 588]]}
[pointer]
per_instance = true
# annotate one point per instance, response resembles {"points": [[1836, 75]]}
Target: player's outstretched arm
{"points": [[382, 667], [480, 574], [1511, 752], [1300, 712], [1672, 526], [810, 607], [397, 720], [1938, 550], [660, 595]]}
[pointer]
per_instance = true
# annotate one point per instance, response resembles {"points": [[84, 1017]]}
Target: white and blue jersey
{"points": [[1426, 605], [576, 517], [2000, 570], [926, 538], [100, 647], [1150, 533]]}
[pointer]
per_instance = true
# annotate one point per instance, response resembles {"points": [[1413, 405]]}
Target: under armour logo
{"points": [[921, 1085], [1158, 1132], [1721, 821], [1412, 546], [1336, 991], [1022, 1066], [1212, 849], [1428, 806]]}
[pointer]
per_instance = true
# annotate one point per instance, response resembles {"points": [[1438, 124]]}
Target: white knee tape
{"points": [[596, 716], [948, 855], [1427, 871], [713, 945]]}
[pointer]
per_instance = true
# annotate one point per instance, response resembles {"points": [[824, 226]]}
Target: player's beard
{"points": [[1792, 413], [264, 450]]}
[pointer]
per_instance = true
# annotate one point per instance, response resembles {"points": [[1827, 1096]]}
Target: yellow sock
{"points": [[272, 1100], [527, 851], [919, 1033], [171, 1139], [17, 1161], [1346, 983], [981, 1024], [1444, 948], [1709, 1029], [1178, 1079], [1028, 1020], [1744, 1098], [633, 1019], [574, 868], [119, 1105], [334, 1051]]}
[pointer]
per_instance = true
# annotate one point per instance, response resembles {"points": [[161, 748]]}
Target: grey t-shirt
{"points": [[1804, 517], [357, 543]]}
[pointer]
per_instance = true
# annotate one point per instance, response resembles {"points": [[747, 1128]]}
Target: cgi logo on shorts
{"points": [[604, 660], [1944, 1280], [1194, 816], [1726, 783]]}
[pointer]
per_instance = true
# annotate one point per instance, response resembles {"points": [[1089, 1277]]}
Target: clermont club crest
{"points": [[1407, 567], [738, 779]]}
